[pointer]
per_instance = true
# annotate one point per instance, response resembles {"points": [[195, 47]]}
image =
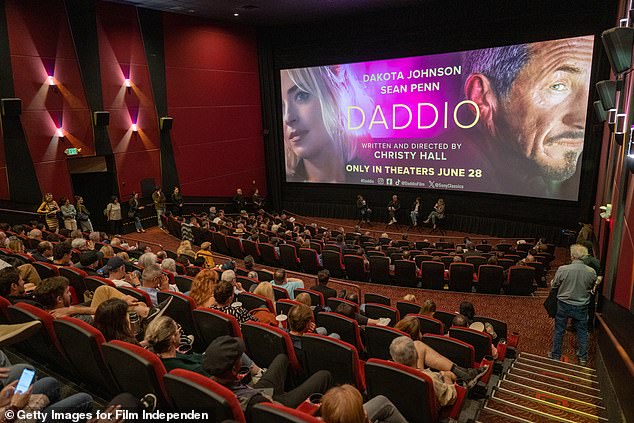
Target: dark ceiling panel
{"points": [[268, 12]]}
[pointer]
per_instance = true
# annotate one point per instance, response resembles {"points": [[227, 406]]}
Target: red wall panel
{"points": [[213, 95], [121, 56], [40, 43]]}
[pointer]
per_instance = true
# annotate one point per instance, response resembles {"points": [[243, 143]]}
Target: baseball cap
{"points": [[222, 354], [113, 263]]}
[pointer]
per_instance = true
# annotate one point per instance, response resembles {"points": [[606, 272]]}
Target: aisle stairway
{"points": [[538, 389]]}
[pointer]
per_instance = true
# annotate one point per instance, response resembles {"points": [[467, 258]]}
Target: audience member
{"points": [[205, 252], [323, 277], [403, 351], [223, 361], [203, 285], [224, 295], [88, 262], [113, 320], [43, 252], [344, 404], [289, 284], [263, 314], [153, 281]]}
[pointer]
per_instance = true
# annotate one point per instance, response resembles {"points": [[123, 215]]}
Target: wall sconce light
{"points": [[59, 133], [128, 85], [134, 127], [52, 83], [618, 46], [607, 93]]}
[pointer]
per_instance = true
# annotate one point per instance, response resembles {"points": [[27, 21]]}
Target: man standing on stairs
{"points": [[574, 282]]}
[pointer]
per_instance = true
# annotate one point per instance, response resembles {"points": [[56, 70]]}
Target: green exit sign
{"points": [[72, 151]]}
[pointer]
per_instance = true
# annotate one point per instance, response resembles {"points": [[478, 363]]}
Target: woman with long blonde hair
{"points": [[49, 209]]}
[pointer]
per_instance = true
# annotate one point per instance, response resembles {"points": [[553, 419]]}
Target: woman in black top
{"points": [[134, 212], [177, 202]]}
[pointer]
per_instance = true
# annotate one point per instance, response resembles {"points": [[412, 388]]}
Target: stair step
{"points": [[488, 415], [549, 387], [561, 400], [554, 367], [554, 381], [519, 412], [576, 380], [558, 363], [544, 407]]}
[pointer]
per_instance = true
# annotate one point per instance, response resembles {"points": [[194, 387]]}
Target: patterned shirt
{"points": [[240, 313]]}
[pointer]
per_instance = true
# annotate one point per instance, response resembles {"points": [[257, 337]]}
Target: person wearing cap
{"points": [[205, 252], [88, 262], [115, 268], [222, 361]]}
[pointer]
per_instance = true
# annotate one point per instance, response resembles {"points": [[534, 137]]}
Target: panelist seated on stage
{"points": [[392, 209], [438, 213], [365, 212]]}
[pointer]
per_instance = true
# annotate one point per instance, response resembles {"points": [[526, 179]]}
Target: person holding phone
{"points": [[42, 395]]}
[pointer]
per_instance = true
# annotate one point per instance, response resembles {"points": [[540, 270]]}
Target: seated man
{"points": [[12, 287], [224, 296], [61, 254], [153, 281], [222, 361], [430, 358], [403, 351], [88, 262], [323, 276], [43, 252], [289, 284], [117, 274]]}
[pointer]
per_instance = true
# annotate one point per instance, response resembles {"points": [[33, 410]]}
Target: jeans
{"points": [[414, 216], [579, 314], [77, 403], [275, 377], [434, 216], [15, 370], [159, 213], [137, 223], [380, 409], [86, 225]]}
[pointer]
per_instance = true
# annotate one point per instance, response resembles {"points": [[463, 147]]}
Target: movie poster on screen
{"points": [[504, 120]]}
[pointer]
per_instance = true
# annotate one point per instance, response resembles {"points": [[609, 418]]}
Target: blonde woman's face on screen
{"points": [[304, 129]]}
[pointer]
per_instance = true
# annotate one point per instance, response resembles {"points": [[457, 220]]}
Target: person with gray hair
{"points": [[154, 280], [403, 351], [574, 283], [530, 102], [78, 244], [147, 260], [169, 265]]}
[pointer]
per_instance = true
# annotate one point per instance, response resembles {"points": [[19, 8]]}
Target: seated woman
{"points": [[202, 291], [185, 249], [163, 338], [428, 308], [263, 314], [224, 295], [437, 213], [428, 357], [113, 321], [344, 404]]}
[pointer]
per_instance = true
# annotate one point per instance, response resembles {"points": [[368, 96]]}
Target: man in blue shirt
{"points": [[574, 282], [290, 285]]}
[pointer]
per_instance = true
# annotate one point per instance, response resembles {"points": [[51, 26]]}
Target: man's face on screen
{"points": [[544, 113], [304, 129]]}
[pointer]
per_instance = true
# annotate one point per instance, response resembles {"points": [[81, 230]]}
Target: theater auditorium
{"points": [[344, 211]]}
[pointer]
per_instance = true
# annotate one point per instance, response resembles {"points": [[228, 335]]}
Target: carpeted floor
{"points": [[525, 315]]}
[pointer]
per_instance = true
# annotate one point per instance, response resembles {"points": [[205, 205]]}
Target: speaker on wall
{"points": [[166, 123], [11, 106], [607, 93], [101, 118], [618, 47]]}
